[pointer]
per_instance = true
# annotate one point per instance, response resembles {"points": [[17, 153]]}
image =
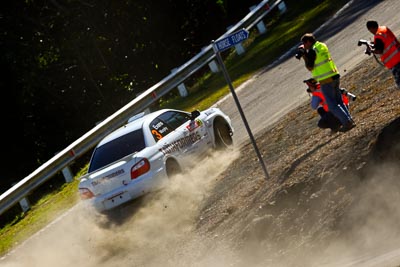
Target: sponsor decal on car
{"points": [[180, 143], [111, 175], [194, 124], [209, 112]]}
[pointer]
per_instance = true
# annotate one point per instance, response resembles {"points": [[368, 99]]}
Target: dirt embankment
{"points": [[328, 195]]}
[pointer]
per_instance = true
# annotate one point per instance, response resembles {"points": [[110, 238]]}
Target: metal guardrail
{"points": [[140, 103]]}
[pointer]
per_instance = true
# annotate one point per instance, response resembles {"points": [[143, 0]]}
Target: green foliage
{"points": [[47, 58]]}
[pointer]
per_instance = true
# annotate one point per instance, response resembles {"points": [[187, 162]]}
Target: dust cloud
{"points": [[331, 233], [361, 234], [371, 225], [160, 228], [155, 230]]}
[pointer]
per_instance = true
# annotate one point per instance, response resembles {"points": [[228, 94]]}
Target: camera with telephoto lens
{"points": [[300, 52], [351, 96], [368, 44]]}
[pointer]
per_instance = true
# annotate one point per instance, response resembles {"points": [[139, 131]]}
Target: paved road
{"points": [[267, 97], [278, 89]]}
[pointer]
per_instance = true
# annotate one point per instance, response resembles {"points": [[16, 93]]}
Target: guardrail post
{"points": [[181, 87], [24, 203], [67, 173], [261, 25], [213, 66], [238, 47], [282, 7], [69, 177]]}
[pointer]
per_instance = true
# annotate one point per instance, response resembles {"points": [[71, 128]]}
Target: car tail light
{"points": [[140, 168], [85, 193]]}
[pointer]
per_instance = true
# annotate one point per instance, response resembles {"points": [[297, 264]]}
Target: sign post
{"points": [[219, 46]]}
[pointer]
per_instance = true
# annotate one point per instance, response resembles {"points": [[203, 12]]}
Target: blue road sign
{"points": [[232, 39], [225, 43]]}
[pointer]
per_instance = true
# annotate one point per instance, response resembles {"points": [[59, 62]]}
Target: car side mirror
{"points": [[194, 114]]}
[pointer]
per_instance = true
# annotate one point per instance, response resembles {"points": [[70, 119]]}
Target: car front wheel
{"points": [[222, 133]]}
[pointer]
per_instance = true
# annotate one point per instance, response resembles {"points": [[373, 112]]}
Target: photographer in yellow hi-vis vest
{"points": [[318, 60]]}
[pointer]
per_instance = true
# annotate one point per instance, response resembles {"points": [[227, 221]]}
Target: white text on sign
{"points": [[231, 40], [239, 37], [222, 45]]}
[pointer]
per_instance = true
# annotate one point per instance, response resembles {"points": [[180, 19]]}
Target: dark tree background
{"points": [[69, 64]]}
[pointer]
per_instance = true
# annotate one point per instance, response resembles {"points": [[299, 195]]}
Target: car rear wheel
{"points": [[173, 168], [222, 133]]}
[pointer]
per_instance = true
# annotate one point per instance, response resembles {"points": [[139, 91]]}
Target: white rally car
{"points": [[140, 156]]}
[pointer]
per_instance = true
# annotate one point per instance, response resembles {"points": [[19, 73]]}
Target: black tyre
{"points": [[223, 136], [173, 168]]}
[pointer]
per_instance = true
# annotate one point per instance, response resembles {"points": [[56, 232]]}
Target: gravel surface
{"points": [[329, 195]]}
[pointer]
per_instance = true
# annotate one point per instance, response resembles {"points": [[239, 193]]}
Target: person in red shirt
{"points": [[387, 46], [327, 119]]}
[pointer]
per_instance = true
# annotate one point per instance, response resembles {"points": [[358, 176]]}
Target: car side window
{"points": [[166, 123]]}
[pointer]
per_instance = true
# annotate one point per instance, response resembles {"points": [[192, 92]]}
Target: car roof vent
{"points": [[137, 116]]}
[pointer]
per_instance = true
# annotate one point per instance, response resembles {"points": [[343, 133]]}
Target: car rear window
{"points": [[117, 149]]}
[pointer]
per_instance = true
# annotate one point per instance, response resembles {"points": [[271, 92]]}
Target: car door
{"points": [[165, 133], [199, 139], [178, 135]]}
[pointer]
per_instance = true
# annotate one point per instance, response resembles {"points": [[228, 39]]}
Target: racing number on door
{"points": [[156, 134]]}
